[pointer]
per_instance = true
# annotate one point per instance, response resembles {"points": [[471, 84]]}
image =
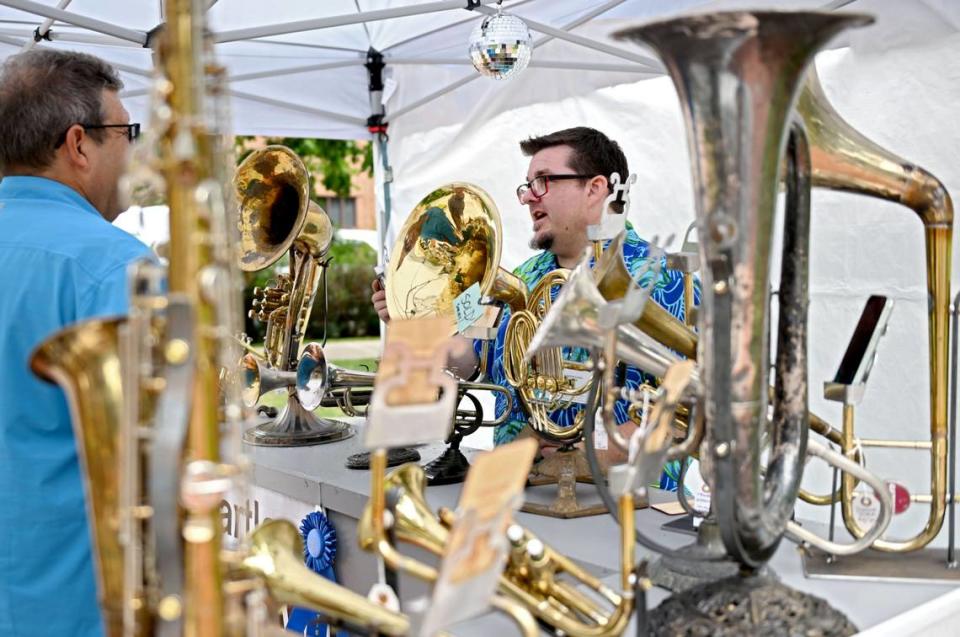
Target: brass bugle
{"points": [[844, 159], [275, 556], [321, 383], [613, 281]]}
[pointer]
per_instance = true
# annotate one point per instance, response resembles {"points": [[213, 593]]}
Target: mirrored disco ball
{"points": [[500, 46]]}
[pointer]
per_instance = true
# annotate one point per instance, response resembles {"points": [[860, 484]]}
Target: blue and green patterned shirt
{"points": [[668, 293]]}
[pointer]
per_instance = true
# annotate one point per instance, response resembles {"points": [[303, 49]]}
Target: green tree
{"points": [[333, 161]]}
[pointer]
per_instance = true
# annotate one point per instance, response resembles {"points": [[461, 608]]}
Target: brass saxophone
{"points": [[148, 404]]}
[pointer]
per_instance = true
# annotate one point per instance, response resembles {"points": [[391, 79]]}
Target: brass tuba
{"points": [[737, 75], [844, 159]]}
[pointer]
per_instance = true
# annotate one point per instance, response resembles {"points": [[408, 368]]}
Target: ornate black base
{"points": [[679, 575], [448, 468], [297, 427], [745, 606], [400, 455]]}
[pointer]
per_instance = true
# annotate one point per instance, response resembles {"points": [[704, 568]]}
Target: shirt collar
{"points": [[29, 187]]}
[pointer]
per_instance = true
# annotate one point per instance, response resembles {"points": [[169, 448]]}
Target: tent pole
{"points": [[99, 26], [296, 69], [643, 60], [44, 28], [377, 125], [341, 20], [547, 64]]}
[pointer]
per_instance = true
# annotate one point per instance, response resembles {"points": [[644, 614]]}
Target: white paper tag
{"points": [[866, 508], [600, 439], [467, 307], [580, 377], [701, 503], [382, 595]]}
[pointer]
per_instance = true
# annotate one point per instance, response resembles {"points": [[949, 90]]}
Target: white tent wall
{"points": [[902, 97]]}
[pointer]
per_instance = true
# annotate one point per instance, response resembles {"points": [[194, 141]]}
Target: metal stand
{"points": [[451, 466], [297, 427], [923, 566], [704, 561], [747, 605], [395, 456]]}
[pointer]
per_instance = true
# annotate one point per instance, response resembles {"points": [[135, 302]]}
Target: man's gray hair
{"points": [[43, 92]]}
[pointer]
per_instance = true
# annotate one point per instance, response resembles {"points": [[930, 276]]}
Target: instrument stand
{"points": [[747, 605], [451, 466], [565, 467], [297, 427], [395, 456], [680, 575], [552, 467]]}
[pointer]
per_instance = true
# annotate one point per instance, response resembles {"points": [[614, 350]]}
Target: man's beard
{"points": [[544, 242]]}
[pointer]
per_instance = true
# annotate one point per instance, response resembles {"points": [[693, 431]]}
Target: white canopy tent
{"points": [[297, 68]]}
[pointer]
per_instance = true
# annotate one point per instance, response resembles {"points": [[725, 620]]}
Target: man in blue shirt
{"points": [[65, 136], [567, 185]]}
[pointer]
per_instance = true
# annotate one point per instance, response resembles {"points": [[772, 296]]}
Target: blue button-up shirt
{"points": [[60, 262]]}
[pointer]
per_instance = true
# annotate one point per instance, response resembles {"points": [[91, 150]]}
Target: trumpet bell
{"points": [[316, 378], [257, 379], [414, 521], [275, 557], [276, 213]]}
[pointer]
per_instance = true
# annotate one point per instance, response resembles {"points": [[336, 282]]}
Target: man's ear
{"points": [[75, 142], [599, 186]]}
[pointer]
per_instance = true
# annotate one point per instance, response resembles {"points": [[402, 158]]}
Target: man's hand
{"points": [[379, 300]]}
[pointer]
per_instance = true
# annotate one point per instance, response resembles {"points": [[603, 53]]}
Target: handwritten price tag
{"points": [[467, 307]]}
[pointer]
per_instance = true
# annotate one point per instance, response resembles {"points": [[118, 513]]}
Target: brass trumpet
{"points": [[534, 576]]}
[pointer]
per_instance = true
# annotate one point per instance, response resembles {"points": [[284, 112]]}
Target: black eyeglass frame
{"points": [[133, 131], [523, 188]]}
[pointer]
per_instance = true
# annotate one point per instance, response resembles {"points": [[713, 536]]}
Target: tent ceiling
{"points": [[297, 65]]}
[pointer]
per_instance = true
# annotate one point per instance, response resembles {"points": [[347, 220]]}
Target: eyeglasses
{"points": [[133, 131], [540, 185]]}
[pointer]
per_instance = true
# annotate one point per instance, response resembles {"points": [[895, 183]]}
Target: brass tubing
{"points": [[182, 46], [844, 159], [393, 558], [895, 444]]}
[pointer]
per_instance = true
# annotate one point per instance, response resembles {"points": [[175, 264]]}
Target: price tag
{"points": [[467, 307], [701, 503], [866, 508], [600, 439], [580, 377]]}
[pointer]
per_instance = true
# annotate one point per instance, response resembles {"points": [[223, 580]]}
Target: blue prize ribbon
{"points": [[319, 551]]}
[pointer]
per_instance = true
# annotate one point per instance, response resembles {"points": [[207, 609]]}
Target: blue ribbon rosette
{"points": [[319, 551]]}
